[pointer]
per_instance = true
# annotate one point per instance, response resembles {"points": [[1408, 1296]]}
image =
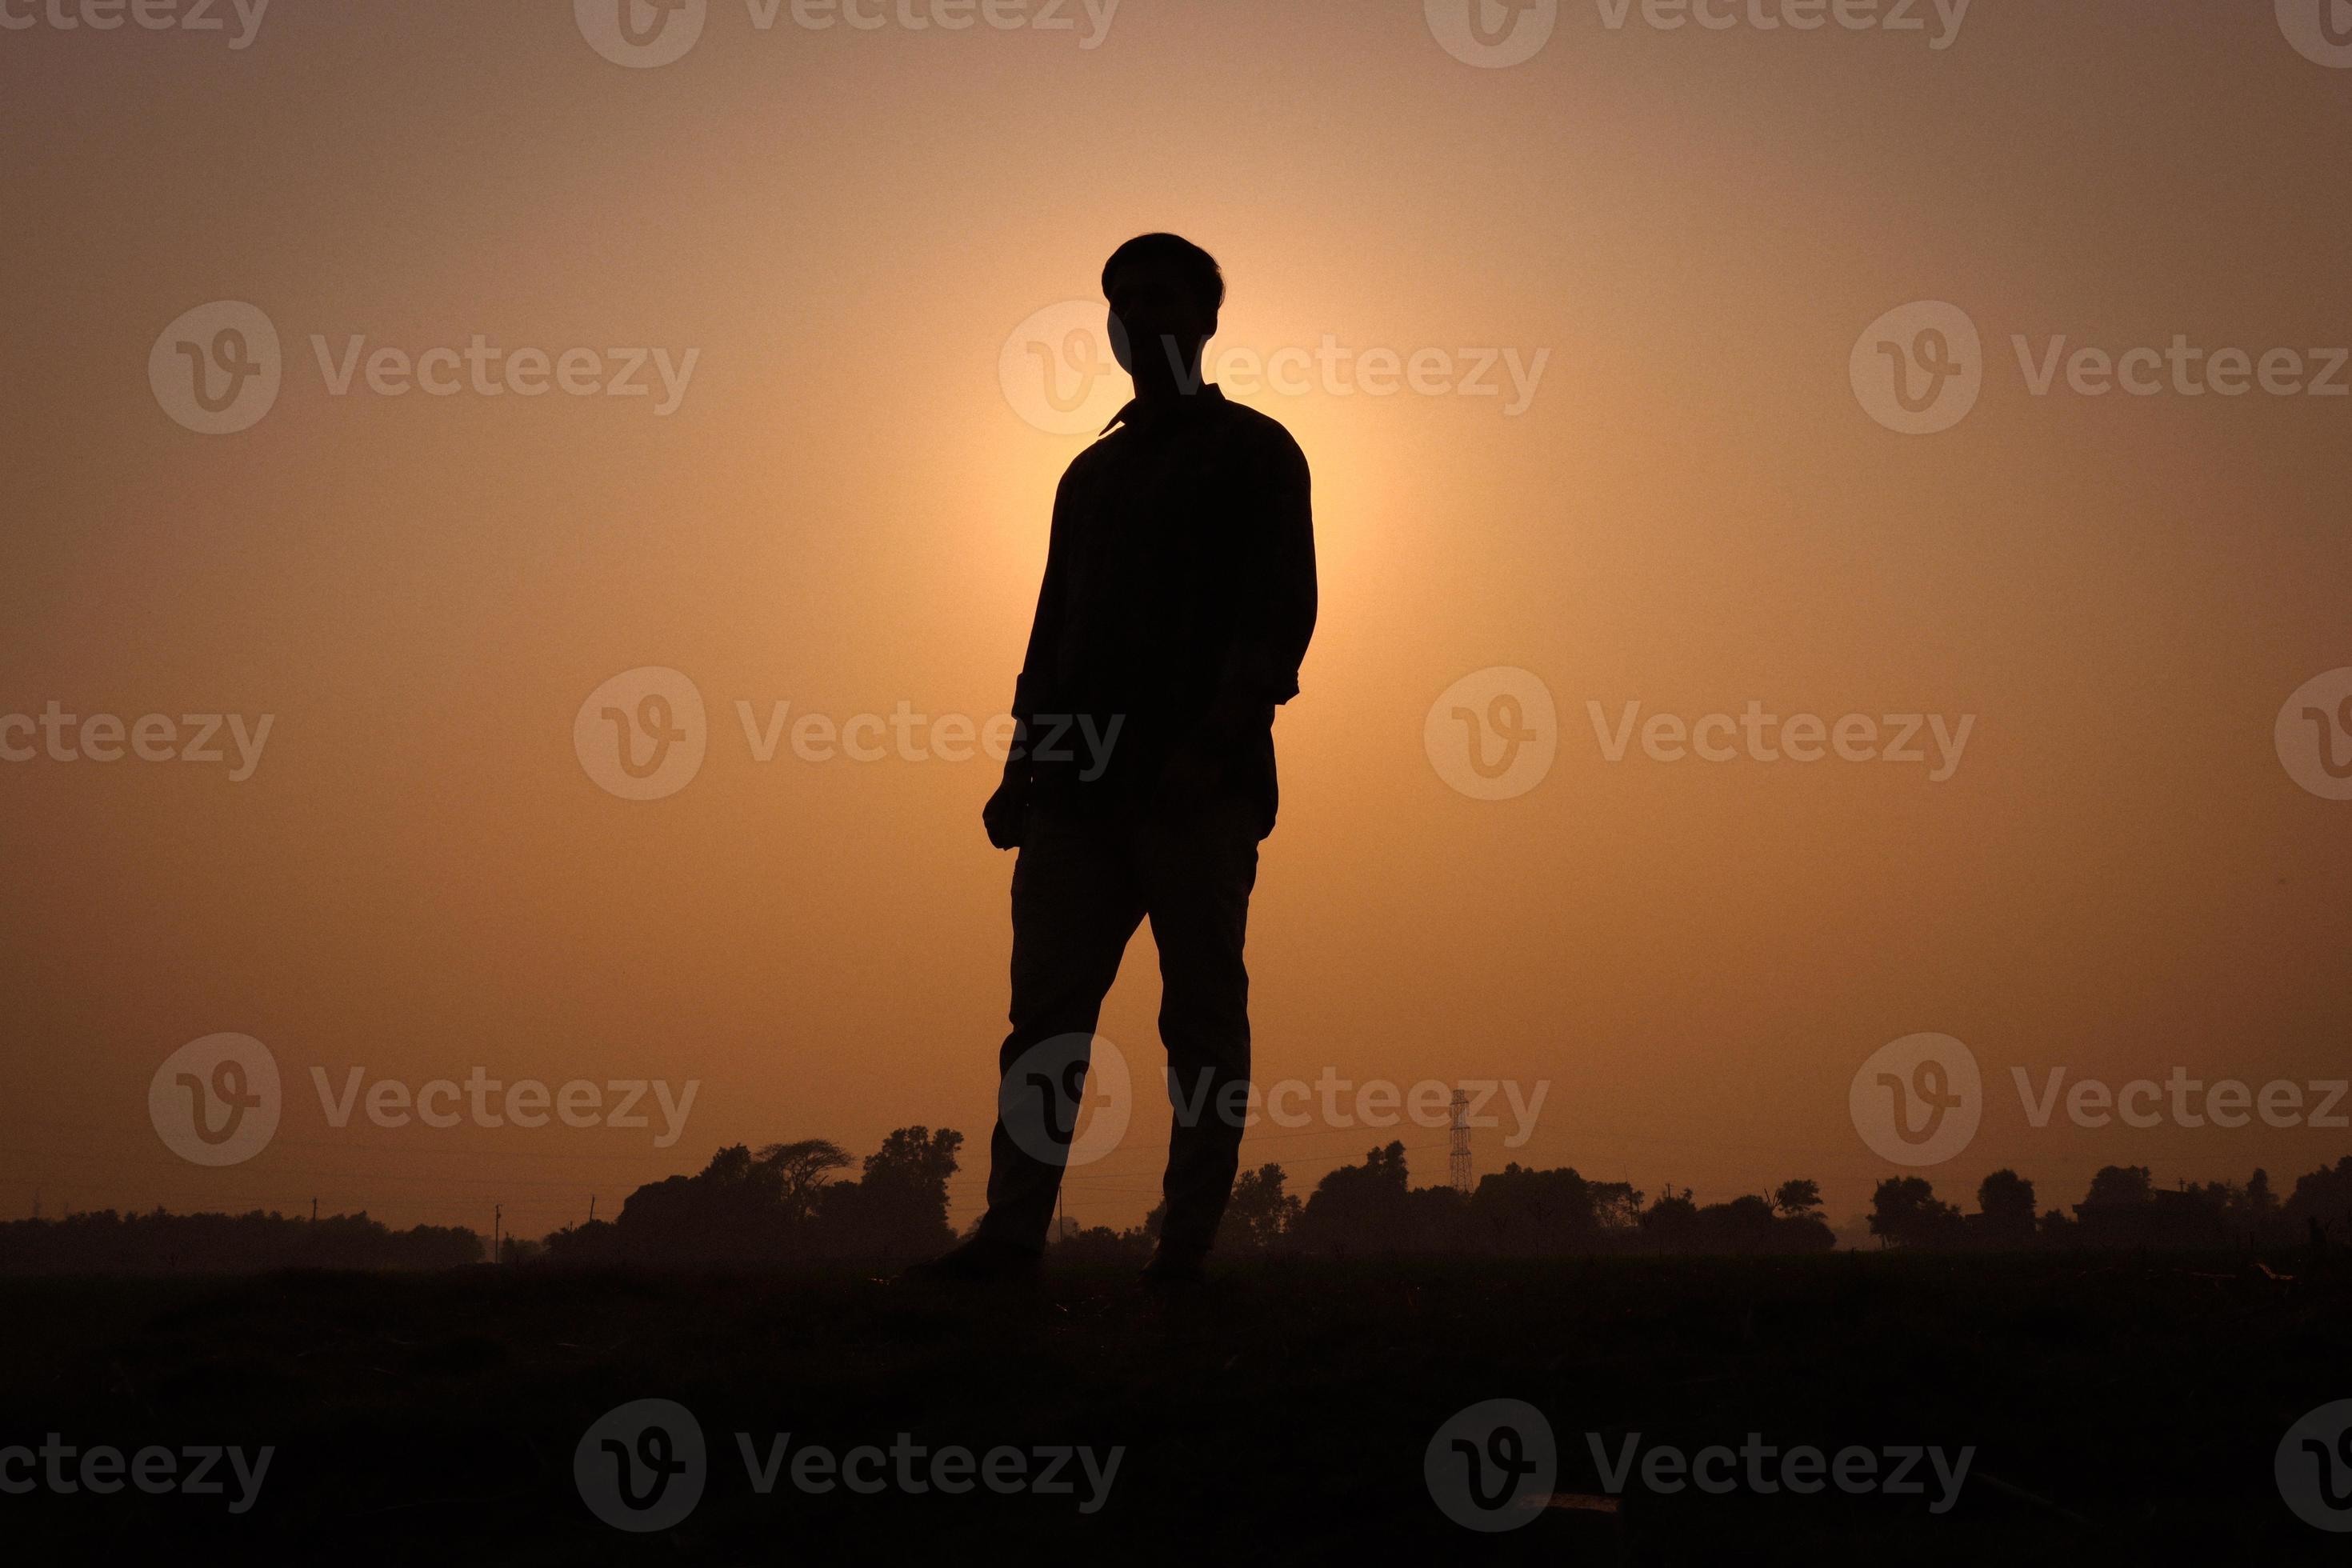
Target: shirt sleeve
{"points": [[1045, 627], [1279, 619]]}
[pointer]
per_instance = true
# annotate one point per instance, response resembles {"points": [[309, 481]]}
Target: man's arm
{"points": [[1003, 814], [1278, 599]]}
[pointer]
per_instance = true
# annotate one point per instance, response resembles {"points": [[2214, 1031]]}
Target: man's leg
{"points": [[1198, 870], [1075, 904]]}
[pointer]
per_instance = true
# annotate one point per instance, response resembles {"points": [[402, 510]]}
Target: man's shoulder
{"points": [[1258, 434], [1251, 425]]}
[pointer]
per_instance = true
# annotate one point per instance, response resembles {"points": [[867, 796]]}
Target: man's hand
{"points": [[1004, 814]]}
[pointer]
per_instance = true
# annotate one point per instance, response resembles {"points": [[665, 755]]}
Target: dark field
{"points": [[2122, 1410]]}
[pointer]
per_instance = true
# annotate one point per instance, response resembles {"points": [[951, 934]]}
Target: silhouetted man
{"points": [[1178, 601]]}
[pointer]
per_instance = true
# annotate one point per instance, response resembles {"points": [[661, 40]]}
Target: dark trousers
{"points": [[1083, 883]]}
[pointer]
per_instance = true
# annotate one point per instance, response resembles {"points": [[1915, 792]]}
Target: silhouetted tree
{"points": [[1797, 1198], [899, 1207], [1530, 1213], [2323, 1199], [2004, 1217], [2120, 1185], [1906, 1212], [1358, 1208], [801, 1170], [1260, 1215], [1671, 1223]]}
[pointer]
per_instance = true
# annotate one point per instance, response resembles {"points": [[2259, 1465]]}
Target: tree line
{"points": [[104, 1242], [2124, 1208], [789, 1202]]}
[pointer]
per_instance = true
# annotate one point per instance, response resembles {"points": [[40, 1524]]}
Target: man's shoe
{"points": [[1176, 1266], [982, 1260]]}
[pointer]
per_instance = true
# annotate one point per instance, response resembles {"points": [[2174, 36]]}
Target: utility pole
{"points": [[592, 1208], [1458, 1141], [497, 1216], [314, 1210]]}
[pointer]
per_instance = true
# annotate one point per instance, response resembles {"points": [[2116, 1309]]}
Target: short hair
{"points": [[1195, 266]]}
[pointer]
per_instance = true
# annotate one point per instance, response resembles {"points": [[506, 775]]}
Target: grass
{"points": [[2122, 1409]]}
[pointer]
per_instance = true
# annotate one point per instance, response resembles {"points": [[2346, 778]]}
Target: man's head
{"points": [[1162, 291]]}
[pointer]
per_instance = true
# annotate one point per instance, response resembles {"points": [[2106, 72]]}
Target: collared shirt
{"points": [[1178, 603]]}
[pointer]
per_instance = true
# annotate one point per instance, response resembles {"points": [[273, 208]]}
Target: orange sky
{"points": [[845, 512]]}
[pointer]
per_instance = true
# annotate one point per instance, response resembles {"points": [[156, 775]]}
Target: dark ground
{"points": [[2124, 1410]]}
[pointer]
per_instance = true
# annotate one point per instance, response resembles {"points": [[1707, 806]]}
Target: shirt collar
{"points": [[1137, 411]]}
